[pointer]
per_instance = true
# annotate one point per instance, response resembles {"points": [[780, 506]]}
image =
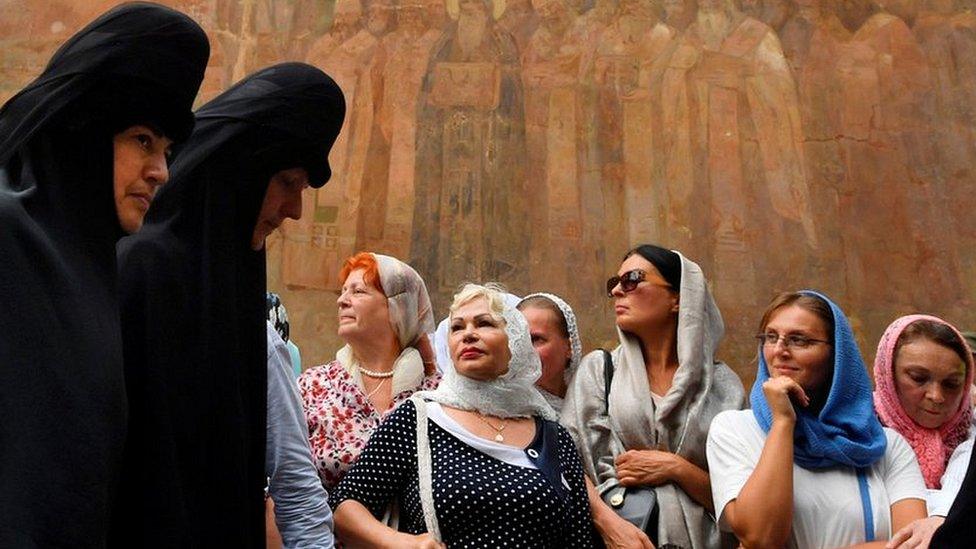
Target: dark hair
{"points": [[936, 332], [807, 302], [665, 261], [540, 302]]}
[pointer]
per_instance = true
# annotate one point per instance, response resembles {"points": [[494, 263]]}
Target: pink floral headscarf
{"points": [[932, 446]]}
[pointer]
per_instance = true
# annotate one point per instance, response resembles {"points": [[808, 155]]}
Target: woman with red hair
{"points": [[384, 316]]}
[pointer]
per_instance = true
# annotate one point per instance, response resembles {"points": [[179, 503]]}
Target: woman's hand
{"points": [[408, 541], [427, 354], [917, 535], [646, 467], [778, 391], [617, 533]]}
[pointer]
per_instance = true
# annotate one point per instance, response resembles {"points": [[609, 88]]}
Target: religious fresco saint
{"points": [[772, 12], [946, 32], [678, 14], [733, 166], [471, 214], [629, 50], [419, 28], [520, 21], [895, 191], [315, 246], [550, 76], [813, 40]]}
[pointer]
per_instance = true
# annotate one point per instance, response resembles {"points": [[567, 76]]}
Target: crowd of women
{"points": [[147, 402]]}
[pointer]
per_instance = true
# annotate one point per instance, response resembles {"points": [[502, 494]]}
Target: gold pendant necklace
{"points": [[498, 430]]}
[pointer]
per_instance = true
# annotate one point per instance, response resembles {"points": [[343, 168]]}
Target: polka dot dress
{"points": [[480, 501]]}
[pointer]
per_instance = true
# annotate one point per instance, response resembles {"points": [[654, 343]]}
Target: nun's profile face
{"points": [[478, 342], [140, 155], [283, 199]]}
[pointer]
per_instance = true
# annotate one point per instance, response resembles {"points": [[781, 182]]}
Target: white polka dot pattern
{"points": [[480, 501]]}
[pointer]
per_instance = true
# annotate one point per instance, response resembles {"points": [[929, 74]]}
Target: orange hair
{"points": [[371, 269]]}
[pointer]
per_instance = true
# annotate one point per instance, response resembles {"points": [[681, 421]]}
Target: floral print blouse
{"points": [[340, 417]]}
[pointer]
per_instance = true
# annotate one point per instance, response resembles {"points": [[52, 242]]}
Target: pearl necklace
{"points": [[377, 375]]}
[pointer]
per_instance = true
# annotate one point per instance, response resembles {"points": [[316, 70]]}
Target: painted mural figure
{"points": [[550, 76], [471, 216], [890, 143], [678, 14], [326, 234], [813, 39], [734, 167], [947, 36], [627, 53], [419, 28], [520, 21]]}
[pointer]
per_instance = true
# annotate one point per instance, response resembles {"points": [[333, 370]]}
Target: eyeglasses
{"points": [[790, 341], [629, 281]]}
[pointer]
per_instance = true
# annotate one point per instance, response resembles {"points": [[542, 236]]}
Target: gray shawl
{"points": [[702, 387]]}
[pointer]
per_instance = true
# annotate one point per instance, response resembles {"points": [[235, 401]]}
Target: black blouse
{"points": [[480, 501]]}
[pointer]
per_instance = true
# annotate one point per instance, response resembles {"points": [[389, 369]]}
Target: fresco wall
{"points": [[780, 143]]}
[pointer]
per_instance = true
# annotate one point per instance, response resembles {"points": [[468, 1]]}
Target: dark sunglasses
{"points": [[628, 281]]}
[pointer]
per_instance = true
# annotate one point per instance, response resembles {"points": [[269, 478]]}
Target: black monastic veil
{"points": [[193, 314], [62, 400]]}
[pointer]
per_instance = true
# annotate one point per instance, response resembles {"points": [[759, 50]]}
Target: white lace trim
{"points": [[575, 344], [510, 395]]}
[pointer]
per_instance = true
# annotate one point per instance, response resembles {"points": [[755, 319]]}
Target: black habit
{"points": [[193, 314], [62, 400]]}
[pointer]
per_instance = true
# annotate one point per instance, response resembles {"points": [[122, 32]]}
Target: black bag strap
{"points": [[607, 379]]}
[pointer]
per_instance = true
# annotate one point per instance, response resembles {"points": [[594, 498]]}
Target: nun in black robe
{"points": [[958, 530], [193, 314], [62, 400]]}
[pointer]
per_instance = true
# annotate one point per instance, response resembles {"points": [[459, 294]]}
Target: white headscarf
{"points": [[439, 337], [575, 344], [507, 396]]}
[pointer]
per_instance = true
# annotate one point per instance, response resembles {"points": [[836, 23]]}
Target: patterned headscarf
{"points": [[932, 446], [410, 311], [277, 315]]}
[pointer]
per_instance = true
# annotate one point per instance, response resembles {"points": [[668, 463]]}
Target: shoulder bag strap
{"points": [[607, 379], [424, 473]]}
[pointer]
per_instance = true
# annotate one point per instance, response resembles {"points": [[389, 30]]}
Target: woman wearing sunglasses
{"points": [[665, 389], [810, 466]]}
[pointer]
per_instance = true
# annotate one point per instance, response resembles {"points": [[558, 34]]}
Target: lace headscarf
{"points": [[510, 395], [439, 337], [575, 344], [406, 294], [932, 446]]}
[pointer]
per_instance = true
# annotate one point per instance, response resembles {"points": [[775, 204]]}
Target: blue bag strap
{"points": [[862, 484]]}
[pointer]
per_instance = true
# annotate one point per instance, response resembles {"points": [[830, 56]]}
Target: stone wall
{"points": [[781, 144]]}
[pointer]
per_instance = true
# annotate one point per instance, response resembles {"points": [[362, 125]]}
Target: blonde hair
{"points": [[492, 292]]}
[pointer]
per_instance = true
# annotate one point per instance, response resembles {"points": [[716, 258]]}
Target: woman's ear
{"points": [[676, 302]]}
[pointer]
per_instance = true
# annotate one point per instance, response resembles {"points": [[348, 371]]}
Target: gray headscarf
{"points": [[510, 395], [702, 387]]}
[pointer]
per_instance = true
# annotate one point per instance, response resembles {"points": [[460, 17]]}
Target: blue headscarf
{"points": [[846, 431]]}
